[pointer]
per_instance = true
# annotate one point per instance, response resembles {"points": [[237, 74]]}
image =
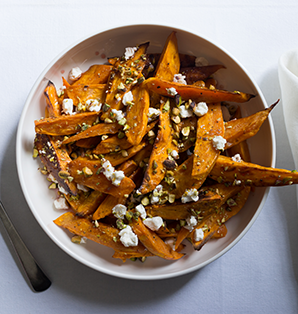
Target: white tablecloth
{"points": [[259, 274]]}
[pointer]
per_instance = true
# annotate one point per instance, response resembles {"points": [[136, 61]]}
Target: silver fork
{"points": [[37, 279]]}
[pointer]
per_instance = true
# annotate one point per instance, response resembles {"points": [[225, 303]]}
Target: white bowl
{"points": [[95, 49]]}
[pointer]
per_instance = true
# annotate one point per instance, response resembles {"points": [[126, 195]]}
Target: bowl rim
{"points": [[31, 206]]}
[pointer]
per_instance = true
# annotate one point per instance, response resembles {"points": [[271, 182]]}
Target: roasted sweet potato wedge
{"points": [[118, 158], [137, 115], [226, 170], [205, 153], [169, 61], [114, 144], [212, 222], [65, 125], [131, 255], [103, 233], [125, 74], [52, 101], [90, 204], [96, 74], [196, 93], [153, 242], [155, 170], [168, 65], [82, 93], [240, 148], [238, 130], [225, 193], [95, 130]]}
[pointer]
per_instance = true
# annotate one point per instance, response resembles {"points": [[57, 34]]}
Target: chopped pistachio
{"points": [[70, 179], [76, 239], [126, 127], [175, 111], [171, 198], [122, 121], [35, 153], [43, 171], [185, 131], [124, 153], [121, 87], [63, 174], [151, 133], [121, 134], [53, 186], [176, 119], [166, 106], [120, 224], [105, 107], [87, 172], [107, 120], [145, 201]]}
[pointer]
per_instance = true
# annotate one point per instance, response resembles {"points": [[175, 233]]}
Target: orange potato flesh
{"points": [[196, 93], [64, 125]]}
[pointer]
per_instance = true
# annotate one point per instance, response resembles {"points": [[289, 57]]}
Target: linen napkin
{"points": [[288, 79]]}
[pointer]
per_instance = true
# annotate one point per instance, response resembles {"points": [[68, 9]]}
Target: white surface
{"points": [[259, 274], [88, 52]]}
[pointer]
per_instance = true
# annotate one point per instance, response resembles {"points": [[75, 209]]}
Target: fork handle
{"points": [[37, 279]]}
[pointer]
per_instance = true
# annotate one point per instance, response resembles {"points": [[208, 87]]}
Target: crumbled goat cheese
{"points": [[129, 52], [128, 237], [237, 158], [117, 177], [174, 154], [153, 114], [171, 91], [179, 78], [200, 109], [185, 113], [127, 98], [119, 211], [118, 114], [67, 106], [60, 203], [201, 61], [198, 235], [108, 169], [219, 142], [191, 195], [110, 173], [62, 190], [237, 182], [141, 210], [153, 223], [93, 105], [75, 73], [82, 187], [157, 192], [191, 222]]}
